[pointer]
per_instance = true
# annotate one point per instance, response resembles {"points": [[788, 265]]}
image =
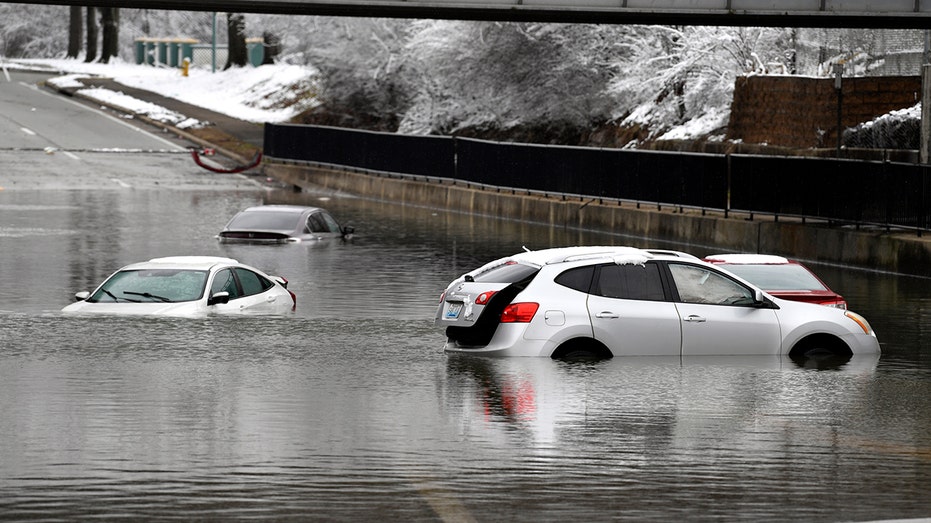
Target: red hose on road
{"points": [[195, 153]]}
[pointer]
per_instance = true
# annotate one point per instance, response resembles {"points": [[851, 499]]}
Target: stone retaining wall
{"points": [[801, 112]]}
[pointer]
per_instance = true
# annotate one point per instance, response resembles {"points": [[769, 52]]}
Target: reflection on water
{"points": [[348, 409]]}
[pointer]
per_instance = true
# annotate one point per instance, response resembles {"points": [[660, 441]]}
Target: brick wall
{"points": [[795, 111]]}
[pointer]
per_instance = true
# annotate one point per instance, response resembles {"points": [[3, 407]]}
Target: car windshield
{"points": [[152, 285], [777, 277], [510, 272], [266, 220]]}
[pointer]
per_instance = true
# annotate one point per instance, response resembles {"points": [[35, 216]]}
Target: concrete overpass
{"points": [[903, 14]]}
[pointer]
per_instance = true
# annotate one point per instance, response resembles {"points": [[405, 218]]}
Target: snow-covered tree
{"points": [[361, 62], [676, 74], [500, 75]]}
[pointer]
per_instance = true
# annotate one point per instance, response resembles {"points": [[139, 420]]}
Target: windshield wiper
{"points": [[147, 295]]}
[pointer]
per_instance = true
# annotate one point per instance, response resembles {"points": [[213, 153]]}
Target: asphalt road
{"points": [[51, 141]]}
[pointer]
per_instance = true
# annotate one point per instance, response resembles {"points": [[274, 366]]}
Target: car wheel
{"points": [[582, 350], [820, 345]]}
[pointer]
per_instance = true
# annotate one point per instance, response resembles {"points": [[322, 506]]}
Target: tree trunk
{"points": [[75, 31], [110, 19], [236, 35], [272, 47], [91, 35]]}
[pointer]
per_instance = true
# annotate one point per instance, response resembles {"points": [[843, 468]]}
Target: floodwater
{"points": [[347, 409]]}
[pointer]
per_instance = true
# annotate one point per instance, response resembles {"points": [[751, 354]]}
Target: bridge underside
{"points": [[901, 14]]}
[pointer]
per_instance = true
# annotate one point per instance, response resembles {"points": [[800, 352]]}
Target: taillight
{"points": [[482, 299], [519, 312], [442, 296]]}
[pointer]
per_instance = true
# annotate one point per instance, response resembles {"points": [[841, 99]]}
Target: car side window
{"points": [[701, 285], [630, 282], [251, 282], [316, 223], [331, 223], [579, 279], [224, 282]]}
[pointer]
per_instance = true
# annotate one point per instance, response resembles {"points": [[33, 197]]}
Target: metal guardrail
{"points": [[840, 191]]}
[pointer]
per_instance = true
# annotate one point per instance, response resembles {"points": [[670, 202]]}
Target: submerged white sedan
{"points": [[187, 286]]}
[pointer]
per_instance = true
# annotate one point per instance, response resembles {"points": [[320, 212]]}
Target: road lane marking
{"points": [[121, 183], [27, 131], [71, 155], [115, 119]]}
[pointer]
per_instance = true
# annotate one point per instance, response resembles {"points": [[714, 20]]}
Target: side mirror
{"points": [[220, 297], [760, 301], [348, 230], [81, 296]]}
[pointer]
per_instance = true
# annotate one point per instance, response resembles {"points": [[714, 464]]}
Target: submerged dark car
{"points": [[282, 224]]}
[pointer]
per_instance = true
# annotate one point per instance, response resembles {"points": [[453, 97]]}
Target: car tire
{"points": [[820, 346], [582, 350]]}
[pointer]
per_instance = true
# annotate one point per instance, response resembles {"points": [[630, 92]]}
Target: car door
{"points": [[718, 315], [248, 291], [629, 311]]}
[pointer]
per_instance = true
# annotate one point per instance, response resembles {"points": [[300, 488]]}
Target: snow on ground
{"points": [[269, 93]]}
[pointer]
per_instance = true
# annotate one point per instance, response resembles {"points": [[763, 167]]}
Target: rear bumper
{"points": [[508, 340]]}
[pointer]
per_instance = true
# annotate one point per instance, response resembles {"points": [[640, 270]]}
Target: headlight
{"points": [[861, 321]]}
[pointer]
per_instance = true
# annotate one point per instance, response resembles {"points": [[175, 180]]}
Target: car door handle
{"points": [[607, 315], [694, 318]]}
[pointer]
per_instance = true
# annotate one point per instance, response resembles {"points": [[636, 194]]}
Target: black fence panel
{"points": [[571, 170], [906, 190], [831, 189], [693, 180], [787, 186], [389, 152]]}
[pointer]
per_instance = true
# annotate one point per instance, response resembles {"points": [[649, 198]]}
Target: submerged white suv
{"points": [[623, 301]]}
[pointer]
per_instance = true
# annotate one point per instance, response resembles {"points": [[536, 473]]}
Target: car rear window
{"points": [[510, 272], [265, 220]]}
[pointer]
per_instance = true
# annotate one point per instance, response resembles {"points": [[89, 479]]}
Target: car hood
{"points": [[188, 308]]}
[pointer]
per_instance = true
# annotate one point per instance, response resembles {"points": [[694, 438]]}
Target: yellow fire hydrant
{"points": [[185, 65]]}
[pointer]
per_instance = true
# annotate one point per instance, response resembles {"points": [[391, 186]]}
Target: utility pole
{"points": [[925, 104], [838, 75]]}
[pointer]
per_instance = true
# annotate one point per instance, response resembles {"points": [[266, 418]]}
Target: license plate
{"points": [[453, 310]]}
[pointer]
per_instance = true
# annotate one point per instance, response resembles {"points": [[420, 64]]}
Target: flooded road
{"points": [[347, 409]]}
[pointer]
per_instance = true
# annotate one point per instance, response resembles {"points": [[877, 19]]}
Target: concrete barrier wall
{"points": [[895, 252]]}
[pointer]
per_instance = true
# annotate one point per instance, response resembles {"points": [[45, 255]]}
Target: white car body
{"points": [[688, 308], [221, 291]]}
